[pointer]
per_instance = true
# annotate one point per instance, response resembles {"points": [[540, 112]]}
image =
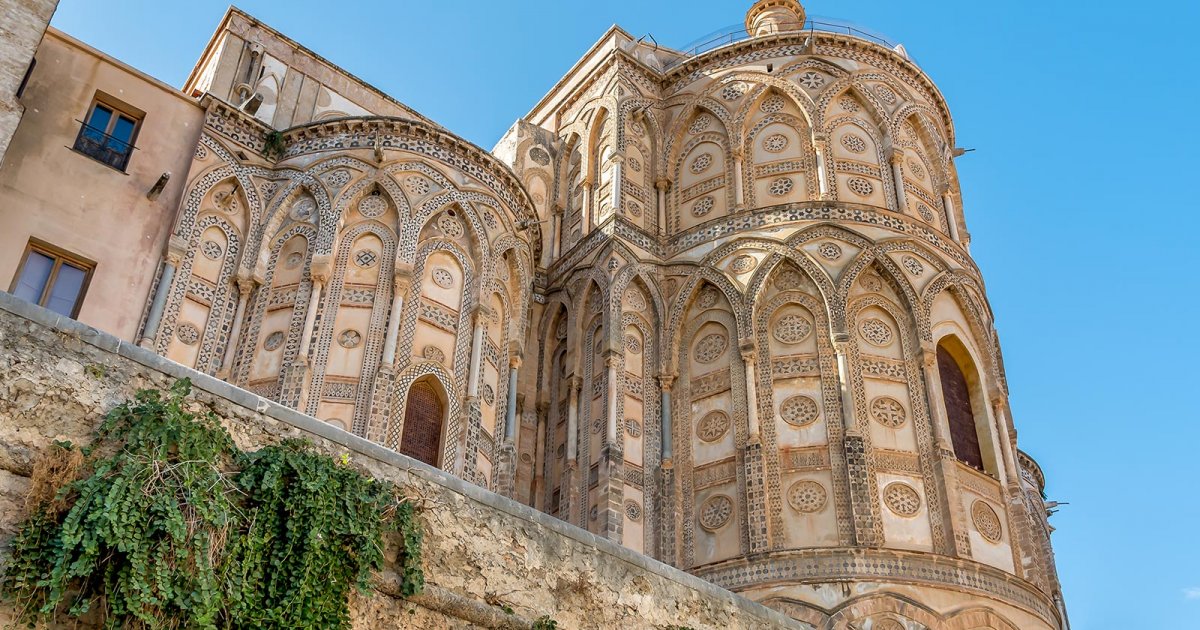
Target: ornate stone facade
{"points": [[716, 306]]}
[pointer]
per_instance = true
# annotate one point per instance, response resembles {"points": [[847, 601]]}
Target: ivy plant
{"points": [[170, 525]]}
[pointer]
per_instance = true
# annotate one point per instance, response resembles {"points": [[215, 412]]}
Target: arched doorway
{"points": [[423, 415]]}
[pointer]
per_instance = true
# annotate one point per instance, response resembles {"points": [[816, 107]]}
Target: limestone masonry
{"points": [[715, 307]]}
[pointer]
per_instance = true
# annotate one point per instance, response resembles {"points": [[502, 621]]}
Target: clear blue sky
{"points": [[1078, 198]]}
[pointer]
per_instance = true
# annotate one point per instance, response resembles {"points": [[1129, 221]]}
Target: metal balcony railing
{"points": [[737, 33], [103, 147]]}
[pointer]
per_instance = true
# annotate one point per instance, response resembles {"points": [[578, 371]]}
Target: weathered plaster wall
{"points": [[57, 378], [50, 192], [22, 23]]}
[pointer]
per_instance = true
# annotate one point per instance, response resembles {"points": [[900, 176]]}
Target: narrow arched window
{"points": [[422, 423], [956, 395]]}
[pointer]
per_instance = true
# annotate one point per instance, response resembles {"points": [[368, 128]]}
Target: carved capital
{"points": [[896, 155], [576, 383], [748, 349], [662, 184], [246, 283], [176, 248], [665, 381], [321, 268], [557, 210]]}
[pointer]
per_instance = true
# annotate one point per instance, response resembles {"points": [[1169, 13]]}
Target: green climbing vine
{"points": [[163, 523], [273, 145]]}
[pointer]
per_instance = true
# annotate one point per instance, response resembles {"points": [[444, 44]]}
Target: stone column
{"points": [[479, 317], [951, 215], [610, 364], [537, 494], [661, 186], [755, 471], [245, 285], [946, 466], [1018, 517], [670, 507], [897, 160], [320, 269], [863, 502], [664, 382], [400, 283], [841, 342], [556, 233], [739, 192], [749, 356], [586, 222], [506, 469], [821, 147], [510, 413], [381, 403], [569, 490], [618, 187], [573, 420], [937, 412], [170, 263]]}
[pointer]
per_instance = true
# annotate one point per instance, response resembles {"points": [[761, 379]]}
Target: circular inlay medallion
{"points": [[791, 328], [742, 264], [860, 186], [633, 510], [372, 206], [799, 410], [889, 412], [303, 209], [853, 143], [811, 80], [829, 251], [701, 163], [775, 143], [433, 353], [366, 258], [806, 496], [987, 522], [633, 427], [273, 341], [773, 104], [450, 226], [442, 277], [780, 186], [710, 347], [715, 512], [188, 333], [876, 332], [211, 249], [703, 206], [713, 426], [416, 185], [294, 260], [539, 156], [349, 338], [902, 499], [633, 345]]}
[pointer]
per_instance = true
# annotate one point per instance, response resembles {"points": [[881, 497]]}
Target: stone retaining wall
{"points": [[482, 551]]}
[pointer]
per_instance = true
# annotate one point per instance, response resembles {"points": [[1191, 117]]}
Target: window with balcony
{"points": [[52, 278], [108, 133]]}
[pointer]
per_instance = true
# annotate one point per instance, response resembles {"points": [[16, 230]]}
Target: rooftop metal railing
{"points": [[737, 33]]}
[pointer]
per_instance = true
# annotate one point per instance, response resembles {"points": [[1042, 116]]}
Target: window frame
{"points": [[60, 256], [119, 109]]}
